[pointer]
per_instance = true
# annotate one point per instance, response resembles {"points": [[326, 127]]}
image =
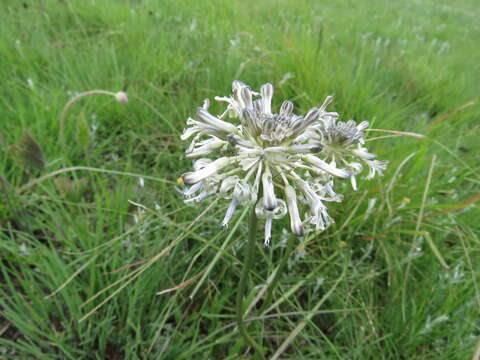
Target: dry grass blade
{"points": [[400, 133], [460, 206], [4, 327], [179, 286], [453, 112]]}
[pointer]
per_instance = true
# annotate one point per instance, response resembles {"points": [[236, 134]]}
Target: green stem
{"points": [[281, 267], [252, 232]]}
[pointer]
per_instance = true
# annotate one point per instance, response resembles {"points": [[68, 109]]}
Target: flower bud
{"points": [[121, 97]]}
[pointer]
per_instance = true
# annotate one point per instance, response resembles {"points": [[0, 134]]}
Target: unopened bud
{"points": [[121, 97]]}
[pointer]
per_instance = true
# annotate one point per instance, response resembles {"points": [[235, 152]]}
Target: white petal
{"points": [[199, 197], [204, 147], [192, 189], [233, 108], [207, 170], [206, 104], [243, 192], [327, 101], [311, 116], [269, 199], [188, 132], [376, 166], [245, 98], [318, 210], [267, 92], [354, 182], [331, 115], [295, 222], [237, 85], [333, 195], [258, 105], [355, 167], [201, 163], [235, 140], [250, 121], [229, 214], [216, 123], [342, 173], [268, 232], [247, 163], [363, 154], [258, 176], [363, 125], [279, 212], [286, 109], [296, 149], [228, 185], [320, 217]]}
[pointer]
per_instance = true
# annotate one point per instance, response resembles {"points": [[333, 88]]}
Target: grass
{"points": [[96, 266]]}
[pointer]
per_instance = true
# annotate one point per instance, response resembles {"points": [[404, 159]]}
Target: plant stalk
{"points": [[281, 268], [73, 101], [252, 232]]}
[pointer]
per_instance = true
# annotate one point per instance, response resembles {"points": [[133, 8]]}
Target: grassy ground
{"points": [[81, 267]]}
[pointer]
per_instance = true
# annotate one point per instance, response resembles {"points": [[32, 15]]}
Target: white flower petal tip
{"points": [[292, 160], [214, 122]]}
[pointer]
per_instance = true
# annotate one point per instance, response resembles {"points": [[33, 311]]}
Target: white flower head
{"points": [[343, 143], [283, 162]]}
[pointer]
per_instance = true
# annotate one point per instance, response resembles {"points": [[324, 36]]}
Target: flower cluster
{"points": [[282, 162]]}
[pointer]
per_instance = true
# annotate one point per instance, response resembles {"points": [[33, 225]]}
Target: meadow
{"points": [[100, 258]]}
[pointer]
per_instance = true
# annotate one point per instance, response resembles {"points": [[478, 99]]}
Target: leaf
{"points": [[30, 152]]}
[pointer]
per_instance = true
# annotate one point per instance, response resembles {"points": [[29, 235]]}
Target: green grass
{"points": [[397, 282]]}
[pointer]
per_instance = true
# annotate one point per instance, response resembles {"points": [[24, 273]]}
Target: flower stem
{"points": [[252, 232], [281, 268]]}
